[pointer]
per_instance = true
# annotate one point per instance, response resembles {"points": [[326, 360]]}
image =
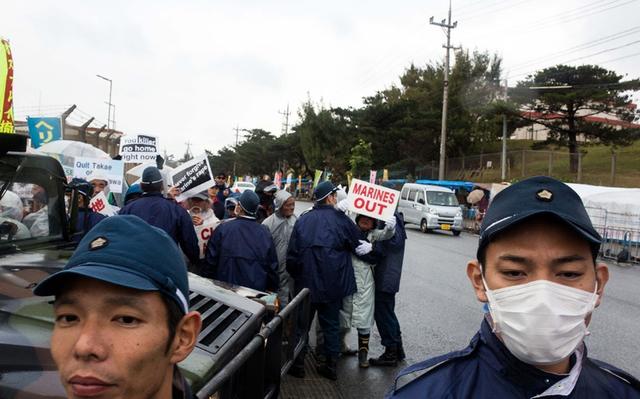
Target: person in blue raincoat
{"points": [[241, 251], [319, 258], [537, 269], [387, 275], [87, 218], [164, 213]]}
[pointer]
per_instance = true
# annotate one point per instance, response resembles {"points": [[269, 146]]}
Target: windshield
{"points": [[27, 206], [441, 198]]}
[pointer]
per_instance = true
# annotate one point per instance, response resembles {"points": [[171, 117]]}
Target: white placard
{"points": [[139, 148], [204, 233], [107, 169], [372, 200], [100, 204], [192, 177]]}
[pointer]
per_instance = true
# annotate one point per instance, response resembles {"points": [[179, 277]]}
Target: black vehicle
{"points": [[242, 336]]}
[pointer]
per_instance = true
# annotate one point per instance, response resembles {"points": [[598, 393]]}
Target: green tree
{"points": [[361, 159], [574, 94]]}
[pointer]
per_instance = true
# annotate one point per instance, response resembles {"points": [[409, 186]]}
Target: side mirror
{"points": [[421, 201]]}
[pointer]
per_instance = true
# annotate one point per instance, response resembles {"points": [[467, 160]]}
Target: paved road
{"points": [[438, 311]]}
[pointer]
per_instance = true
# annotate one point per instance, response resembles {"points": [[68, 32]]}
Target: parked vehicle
{"points": [[242, 186], [243, 336], [431, 208]]}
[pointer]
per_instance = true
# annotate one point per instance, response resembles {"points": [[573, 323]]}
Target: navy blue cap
{"points": [[82, 186], [535, 196], [151, 262], [151, 175], [232, 200], [323, 190], [249, 201]]}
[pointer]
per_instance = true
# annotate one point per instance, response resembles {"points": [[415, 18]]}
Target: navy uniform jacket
{"points": [[167, 215], [388, 270], [89, 217], [242, 252], [319, 254], [486, 369]]}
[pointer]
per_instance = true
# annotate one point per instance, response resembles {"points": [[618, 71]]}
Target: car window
{"points": [[442, 198], [405, 193], [420, 196], [412, 195]]}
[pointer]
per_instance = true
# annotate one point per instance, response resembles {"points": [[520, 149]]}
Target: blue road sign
{"points": [[44, 130]]}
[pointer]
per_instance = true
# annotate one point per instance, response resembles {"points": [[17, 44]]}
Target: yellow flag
{"points": [[6, 88], [317, 177], [349, 177], [385, 175]]}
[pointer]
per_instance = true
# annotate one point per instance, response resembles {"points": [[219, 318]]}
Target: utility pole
{"points": [[188, 153], [110, 90], [285, 126], [447, 26], [235, 150], [504, 138]]}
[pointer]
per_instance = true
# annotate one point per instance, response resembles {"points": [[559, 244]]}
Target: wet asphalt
{"points": [[439, 313]]}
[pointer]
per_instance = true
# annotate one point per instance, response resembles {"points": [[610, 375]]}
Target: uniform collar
{"points": [[180, 388], [533, 380]]}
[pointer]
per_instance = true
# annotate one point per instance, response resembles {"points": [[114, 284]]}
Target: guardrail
{"points": [[620, 234], [255, 372]]}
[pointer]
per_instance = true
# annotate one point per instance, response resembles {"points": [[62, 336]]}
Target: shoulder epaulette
{"points": [[619, 374], [418, 370]]}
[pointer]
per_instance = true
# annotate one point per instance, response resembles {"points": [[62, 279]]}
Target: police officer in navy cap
{"points": [[86, 218], [319, 258], [536, 268], [164, 213], [241, 251], [122, 321]]}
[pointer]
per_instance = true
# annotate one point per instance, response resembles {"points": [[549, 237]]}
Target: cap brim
{"points": [[103, 272], [505, 223], [328, 194]]}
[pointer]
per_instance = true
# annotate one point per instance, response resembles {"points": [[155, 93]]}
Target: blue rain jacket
{"points": [[388, 269]]}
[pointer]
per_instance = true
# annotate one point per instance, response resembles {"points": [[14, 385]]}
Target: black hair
{"points": [[174, 316]]}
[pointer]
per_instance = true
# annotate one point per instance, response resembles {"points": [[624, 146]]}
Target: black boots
{"points": [[328, 369], [401, 354], [297, 368], [363, 350], [389, 358]]}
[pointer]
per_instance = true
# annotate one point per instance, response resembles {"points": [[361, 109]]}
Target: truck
{"points": [[244, 337]]}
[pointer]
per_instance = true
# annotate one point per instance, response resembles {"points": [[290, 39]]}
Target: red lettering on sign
{"points": [[392, 198], [358, 203], [357, 188], [205, 234], [98, 205]]}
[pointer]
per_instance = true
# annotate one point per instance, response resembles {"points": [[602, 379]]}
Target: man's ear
{"points": [[474, 272], [602, 276], [186, 336]]}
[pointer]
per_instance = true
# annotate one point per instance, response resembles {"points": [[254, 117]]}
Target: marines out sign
{"points": [[372, 200], [139, 148]]}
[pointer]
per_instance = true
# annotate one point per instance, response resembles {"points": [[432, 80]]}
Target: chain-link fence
{"points": [[620, 168]]}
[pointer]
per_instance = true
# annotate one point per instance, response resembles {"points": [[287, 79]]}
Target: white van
{"points": [[430, 207]]}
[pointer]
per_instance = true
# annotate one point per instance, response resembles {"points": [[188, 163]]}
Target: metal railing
{"points": [[256, 371], [620, 234]]}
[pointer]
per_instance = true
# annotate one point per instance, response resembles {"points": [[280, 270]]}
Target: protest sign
{"points": [[204, 233], [372, 176], [100, 204], [139, 148], [372, 200], [107, 169], [192, 177]]}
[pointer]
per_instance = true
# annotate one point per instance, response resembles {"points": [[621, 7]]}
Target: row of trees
{"points": [[399, 127]]}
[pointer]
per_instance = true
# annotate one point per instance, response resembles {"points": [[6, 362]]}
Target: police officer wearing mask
{"points": [[319, 258], [164, 213], [241, 251], [536, 268]]}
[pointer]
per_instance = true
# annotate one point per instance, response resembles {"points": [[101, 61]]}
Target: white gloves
{"points": [[364, 248], [390, 224], [342, 206]]}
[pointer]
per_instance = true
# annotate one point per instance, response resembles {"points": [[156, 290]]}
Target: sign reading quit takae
{"points": [[107, 169], [139, 148], [192, 177], [372, 200]]}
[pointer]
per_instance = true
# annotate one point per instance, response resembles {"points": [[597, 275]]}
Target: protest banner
{"points": [[204, 233], [277, 179], [6, 88], [316, 179], [372, 176], [100, 204], [372, 200], [287, 185], [139, 148], [192, 177], [108, 169]]}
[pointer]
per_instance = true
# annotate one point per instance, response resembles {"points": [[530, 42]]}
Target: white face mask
{"points": [[540, 322]]}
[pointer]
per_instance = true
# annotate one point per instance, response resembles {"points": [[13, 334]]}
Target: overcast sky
{"points": [[193, 70]]}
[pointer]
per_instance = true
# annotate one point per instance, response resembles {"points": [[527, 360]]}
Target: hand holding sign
{"points": [[372, 200]]}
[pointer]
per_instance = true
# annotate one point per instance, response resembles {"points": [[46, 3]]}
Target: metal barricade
{"points": [[255, 372], [620, 234]]}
